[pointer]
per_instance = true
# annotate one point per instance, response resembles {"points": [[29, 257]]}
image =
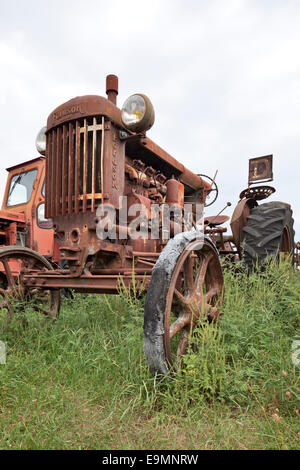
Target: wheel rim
{"points": [[13, 263], [195, 289]]}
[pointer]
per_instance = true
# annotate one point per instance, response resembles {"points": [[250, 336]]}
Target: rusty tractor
{"points": [[120, 204], [26, 236]]}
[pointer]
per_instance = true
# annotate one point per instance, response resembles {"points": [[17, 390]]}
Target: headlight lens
{"points": [[40, 141], [138, 113]]}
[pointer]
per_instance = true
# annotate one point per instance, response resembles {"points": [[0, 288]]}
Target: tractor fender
{"points": [[239, 220]]}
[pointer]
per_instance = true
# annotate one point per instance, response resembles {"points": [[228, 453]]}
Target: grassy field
{"points": [[83, 383]]}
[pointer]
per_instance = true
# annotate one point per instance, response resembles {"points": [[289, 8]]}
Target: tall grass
{"points": [[246, 358], [83, 382]]}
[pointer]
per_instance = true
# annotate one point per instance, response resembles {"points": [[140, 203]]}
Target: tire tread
{"points": [[264, 230]]}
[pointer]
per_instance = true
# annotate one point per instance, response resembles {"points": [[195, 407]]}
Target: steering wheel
{"points": [[214, 189]]}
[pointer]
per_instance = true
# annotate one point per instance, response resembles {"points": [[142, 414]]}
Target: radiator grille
{"points": [[74, 166]]}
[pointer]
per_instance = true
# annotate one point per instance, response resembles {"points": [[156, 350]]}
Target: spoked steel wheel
{"points": [[15, 261], [185, 289]]}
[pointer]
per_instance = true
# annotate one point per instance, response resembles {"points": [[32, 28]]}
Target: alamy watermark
{"points": [[142, 221], [2, 353]]}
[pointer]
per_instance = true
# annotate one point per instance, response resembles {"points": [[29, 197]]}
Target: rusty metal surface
{"points": [[257, 193], [89, 107], [211, 190], [186, 176], [214, 221], [186, 295], [112, 88], [84, 107], [12, 216], [187, 285], [90, 163], [175, 192], [239, 219], [14, 262], [101, 284], [19, 226], [73, 181], [24, 216], [260, 169], [26, 164]]}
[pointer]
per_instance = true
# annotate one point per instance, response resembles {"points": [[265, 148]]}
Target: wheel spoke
{"points": [[202, 272], [189, 274], [15, 262], [183, 343], [179, 324], [209, 295], [47, 313], [8, 273], [180, 299]]}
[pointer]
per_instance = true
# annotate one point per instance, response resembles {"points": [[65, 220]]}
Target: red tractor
{"points": [[122, 207]]}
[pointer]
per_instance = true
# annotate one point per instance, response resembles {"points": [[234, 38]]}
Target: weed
{"points": [[83, 382]]}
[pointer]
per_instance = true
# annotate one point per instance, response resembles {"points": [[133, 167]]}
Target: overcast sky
{"points": [[223, 76]]}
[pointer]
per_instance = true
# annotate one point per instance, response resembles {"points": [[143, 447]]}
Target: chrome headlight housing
{"points": [[40, 141], [138, 113]]}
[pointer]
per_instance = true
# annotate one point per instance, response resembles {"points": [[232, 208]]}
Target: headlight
{"points": [[138, 113], [40, 141]]}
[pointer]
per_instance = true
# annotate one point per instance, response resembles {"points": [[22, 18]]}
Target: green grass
{"points": [[83, 383]]}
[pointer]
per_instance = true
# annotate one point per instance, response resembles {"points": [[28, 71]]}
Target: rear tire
{"points": [[269, 231]]}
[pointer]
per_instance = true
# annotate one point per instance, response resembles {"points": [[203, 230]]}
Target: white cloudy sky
{"points": [[223, 75]]}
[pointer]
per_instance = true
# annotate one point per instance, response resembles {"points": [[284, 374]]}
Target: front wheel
{"points": [[15, 261], [185, 289]]}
